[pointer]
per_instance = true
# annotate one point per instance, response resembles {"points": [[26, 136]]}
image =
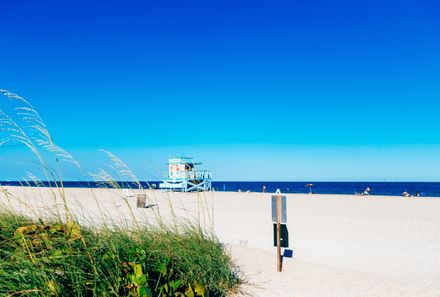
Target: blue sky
{"points": [[274, 90]]}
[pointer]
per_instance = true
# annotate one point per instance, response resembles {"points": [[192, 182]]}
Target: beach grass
{"points": [[55, 258], [53, 255]]}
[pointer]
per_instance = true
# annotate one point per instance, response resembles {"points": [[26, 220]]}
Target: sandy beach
{"points": [[342, 245]]}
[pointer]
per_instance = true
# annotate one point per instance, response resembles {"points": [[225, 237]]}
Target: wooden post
{"points": [[278, 213]]}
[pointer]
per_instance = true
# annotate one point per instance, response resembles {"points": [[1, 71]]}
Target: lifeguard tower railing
{"points": [[191, 175]]}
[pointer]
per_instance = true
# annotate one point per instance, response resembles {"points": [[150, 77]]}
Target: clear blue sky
{"points": [[273, 90]]}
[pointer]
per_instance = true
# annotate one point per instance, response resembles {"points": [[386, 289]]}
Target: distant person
{"points": [[417, 194], [406, 194], [367, 191], [310, 188], [264, 189]]}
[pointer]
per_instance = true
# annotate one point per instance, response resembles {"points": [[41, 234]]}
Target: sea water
{"points": [[425, 189]]}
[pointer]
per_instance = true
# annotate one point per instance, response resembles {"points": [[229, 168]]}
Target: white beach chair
{"points": [[127, 194]]}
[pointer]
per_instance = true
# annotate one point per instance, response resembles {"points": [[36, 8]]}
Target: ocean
{"points": [[425, 189]]}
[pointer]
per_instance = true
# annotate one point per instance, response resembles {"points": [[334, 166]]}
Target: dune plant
{"points": [[54, 255]]}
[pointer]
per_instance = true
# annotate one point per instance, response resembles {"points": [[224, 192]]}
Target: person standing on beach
{"points": [[310, 188]]}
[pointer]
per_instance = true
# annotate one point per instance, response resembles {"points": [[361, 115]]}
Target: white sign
{"points": [[283, 209]]}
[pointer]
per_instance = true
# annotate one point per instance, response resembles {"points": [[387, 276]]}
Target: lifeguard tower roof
{"points": [[186, 160], [183, 176]]}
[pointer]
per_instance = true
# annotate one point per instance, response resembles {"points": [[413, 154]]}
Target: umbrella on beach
{"points": [[310, 188]]}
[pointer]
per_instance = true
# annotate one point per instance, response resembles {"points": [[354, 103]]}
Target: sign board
{"points": [[280, 233], [284, 235], [283, 209]]}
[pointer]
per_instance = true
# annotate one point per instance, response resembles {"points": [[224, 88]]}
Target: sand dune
{"points": [[342, 245]]}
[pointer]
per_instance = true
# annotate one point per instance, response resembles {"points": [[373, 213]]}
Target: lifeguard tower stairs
{"points": [[185, 177]]}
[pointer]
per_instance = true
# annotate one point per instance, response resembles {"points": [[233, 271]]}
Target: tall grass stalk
{"points": [[47, 252]]}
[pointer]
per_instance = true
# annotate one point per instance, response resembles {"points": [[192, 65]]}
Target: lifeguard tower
{"points": [[185, 177]]}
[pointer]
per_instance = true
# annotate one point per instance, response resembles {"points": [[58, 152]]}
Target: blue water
{"points": [[426, 189], [430, 189]]}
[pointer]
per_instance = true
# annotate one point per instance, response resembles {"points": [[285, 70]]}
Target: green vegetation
{"points": [[58, 257], [64, 259]]}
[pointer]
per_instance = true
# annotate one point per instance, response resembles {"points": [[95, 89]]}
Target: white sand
{"points": [[342, 245]]}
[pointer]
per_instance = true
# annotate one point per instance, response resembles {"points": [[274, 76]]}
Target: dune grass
{"points": [[53, 255], [55, 258]]}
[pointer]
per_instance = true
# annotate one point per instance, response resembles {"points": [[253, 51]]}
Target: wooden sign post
{"points": [[280, 228], [278, 212]]}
